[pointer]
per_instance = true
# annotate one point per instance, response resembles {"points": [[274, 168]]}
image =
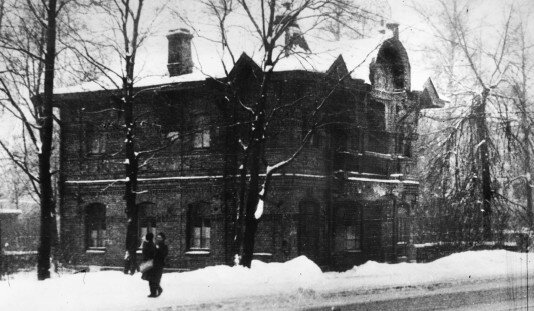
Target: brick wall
{"points": [[280, 232]]}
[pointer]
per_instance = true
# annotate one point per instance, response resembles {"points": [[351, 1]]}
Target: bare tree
{"points": [[39, 51], [29, 38], [277, 27], [518, 128], [127, 33], [467, 157]]}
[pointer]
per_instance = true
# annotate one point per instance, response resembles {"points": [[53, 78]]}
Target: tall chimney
{"points": [[394, 27], [179, 61]]}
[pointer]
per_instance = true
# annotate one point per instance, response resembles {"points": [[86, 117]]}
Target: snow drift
{"points": [[298, 281]]}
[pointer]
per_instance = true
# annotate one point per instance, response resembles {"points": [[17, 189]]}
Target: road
{"points": [[494, 296]]}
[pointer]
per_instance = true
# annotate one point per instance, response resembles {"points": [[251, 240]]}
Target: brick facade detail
{"points": [[338, 203]]}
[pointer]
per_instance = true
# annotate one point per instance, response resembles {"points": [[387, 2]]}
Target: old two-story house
{"points": [[347, 198]]}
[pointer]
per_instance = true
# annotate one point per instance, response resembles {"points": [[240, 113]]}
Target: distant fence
{"points": [[13, 261], [431, 251]]}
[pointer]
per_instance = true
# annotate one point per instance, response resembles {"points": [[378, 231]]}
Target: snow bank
{"points": [[471, 265], [297, 281], [112, 290]]}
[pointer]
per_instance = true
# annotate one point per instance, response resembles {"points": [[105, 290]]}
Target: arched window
{"points": [[348, 226], [199, 226], [147, 219], [95, 225]]}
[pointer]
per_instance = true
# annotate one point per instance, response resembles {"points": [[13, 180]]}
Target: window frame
{"points": [[199, 217], [95, 214], [96, 141], [348, 220], [202, 134], [144, 221]]}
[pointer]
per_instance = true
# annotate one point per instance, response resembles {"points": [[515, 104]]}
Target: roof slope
{"points": [[210, 60]]}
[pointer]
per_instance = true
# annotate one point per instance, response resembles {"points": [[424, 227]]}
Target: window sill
{"points": [[198, 252], [263, 254], [96, 250], [352, 251]]}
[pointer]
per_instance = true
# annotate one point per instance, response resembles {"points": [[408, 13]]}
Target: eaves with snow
{"points": [[210, 60]]}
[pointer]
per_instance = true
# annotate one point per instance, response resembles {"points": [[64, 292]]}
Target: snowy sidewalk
{"points": [[296, 284]]}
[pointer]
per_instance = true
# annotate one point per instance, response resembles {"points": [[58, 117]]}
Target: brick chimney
{"points": [[179, 61], [394, 27]]}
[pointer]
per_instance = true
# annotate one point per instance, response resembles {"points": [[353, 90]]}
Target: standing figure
{"points": [[149, 253], [159, 262]]}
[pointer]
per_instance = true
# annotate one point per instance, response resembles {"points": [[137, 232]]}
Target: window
{"points": [[199, 226], [201, 138], [98, 144], [348, 227], [147, 222], [309, 229], [96, 140], [95, 225], [403, 225], [376, 123], [404, 145]]}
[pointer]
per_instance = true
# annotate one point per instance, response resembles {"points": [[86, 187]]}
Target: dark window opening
{"points": [[348, 227], [95, 225], [96, 140], [146, 221], [376, 125], [199, 226], [202, 137], [403, 225]]}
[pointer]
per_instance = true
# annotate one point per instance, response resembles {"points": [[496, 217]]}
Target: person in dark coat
{"points": [[149, 252], [159, 262]]}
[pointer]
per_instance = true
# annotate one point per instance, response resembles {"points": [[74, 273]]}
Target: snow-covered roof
{"points": [[210, 60]]}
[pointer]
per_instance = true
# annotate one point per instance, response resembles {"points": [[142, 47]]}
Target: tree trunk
{"points": [[528, 180], [480, 112], [256, 148], [251, 223], [45, 133], [131, 170]]}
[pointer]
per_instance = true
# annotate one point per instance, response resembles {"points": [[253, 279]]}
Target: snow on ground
{"points": [[112, 290]]}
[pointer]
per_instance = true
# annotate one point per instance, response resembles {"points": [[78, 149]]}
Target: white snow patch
{"points": [[259, 209], [113, 290], [261, 203]]}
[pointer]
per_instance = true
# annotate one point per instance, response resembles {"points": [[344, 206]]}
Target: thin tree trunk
{"points": [[256, 145], [46, 127], [528, 182], [131, 168], [480, 111]]}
